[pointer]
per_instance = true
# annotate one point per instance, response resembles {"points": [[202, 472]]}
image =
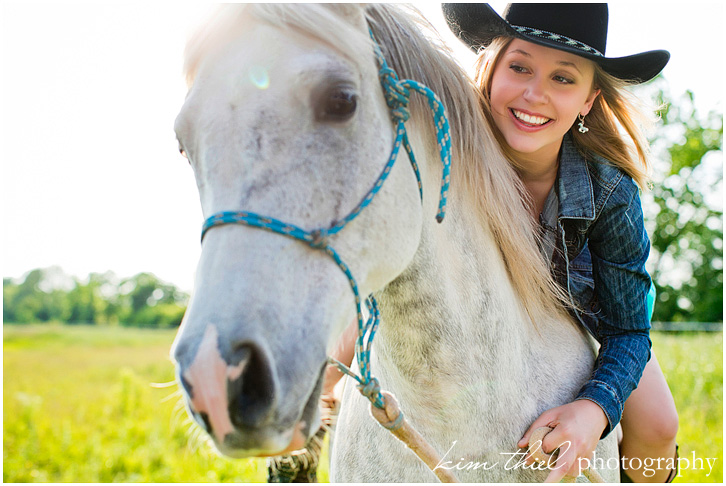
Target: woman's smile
{"points": [[529, 120], [536, 95]]}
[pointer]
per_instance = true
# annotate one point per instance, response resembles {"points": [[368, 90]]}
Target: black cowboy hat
{"points": [[578, 28]]}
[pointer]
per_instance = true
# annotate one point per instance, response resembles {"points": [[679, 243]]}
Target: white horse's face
{"points": [[285, 126]]}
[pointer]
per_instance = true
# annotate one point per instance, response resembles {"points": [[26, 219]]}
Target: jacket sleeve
{"points": [[619, 247]]}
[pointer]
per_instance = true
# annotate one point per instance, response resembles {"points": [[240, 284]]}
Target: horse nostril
{"points": [[251, 389]]}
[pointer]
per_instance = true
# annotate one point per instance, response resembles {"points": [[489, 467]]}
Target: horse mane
{"points": [[480, 174]]}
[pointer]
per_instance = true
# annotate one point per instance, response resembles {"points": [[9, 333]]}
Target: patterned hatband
{"points": [[562, 39]]}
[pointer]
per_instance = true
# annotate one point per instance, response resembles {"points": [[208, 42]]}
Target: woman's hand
{"points": [[577, 428], [344, 352]]}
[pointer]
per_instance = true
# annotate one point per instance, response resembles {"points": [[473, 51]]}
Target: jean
{"points": [[600, 261]]}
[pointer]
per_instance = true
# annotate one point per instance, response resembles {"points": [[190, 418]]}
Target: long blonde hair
{"points": [[616, 122]]}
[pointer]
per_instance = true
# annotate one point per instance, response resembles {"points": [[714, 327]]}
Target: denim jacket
{"points": [[603, 247]]}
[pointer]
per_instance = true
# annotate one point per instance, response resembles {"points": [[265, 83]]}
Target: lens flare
{"points": [[259, 77]]}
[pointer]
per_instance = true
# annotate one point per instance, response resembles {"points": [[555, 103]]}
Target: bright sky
{"points": [[91, 177]]}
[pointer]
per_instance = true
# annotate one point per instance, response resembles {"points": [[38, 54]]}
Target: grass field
{"points": [[78, 407]]}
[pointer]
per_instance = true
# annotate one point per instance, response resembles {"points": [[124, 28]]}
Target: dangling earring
{"points": [[583, 128]]}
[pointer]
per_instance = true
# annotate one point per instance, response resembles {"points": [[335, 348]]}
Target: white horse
{"points": [[286, 118]]}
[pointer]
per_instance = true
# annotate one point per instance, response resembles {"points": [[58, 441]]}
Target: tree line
{"points": [[49, 295], [683, 215]]}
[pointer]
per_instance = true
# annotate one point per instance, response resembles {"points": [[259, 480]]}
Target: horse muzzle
{"points": [[233, 393]]}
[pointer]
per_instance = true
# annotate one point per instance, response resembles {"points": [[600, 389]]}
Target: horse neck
{"points": [[454, 301]]}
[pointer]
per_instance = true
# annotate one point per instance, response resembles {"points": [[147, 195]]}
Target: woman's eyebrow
{"points": [[561, 63], [520, 51], [569, 64]]}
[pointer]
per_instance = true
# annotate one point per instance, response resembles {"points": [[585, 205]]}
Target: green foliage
{"points": [[78, 407], [21, 302], [48, 295], [85, 302], [158, 315], [686, 222]]}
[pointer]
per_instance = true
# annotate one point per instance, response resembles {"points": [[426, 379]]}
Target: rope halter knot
{"points": [[319, 239], [395, 93]]}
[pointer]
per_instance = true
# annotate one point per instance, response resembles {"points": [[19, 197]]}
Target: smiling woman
{"points": [[581, 185], [536, 76]]}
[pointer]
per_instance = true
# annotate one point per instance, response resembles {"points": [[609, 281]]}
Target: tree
{"points": [[151, 302], [686, 213], [87, 305], [32, 301], [10, 290]]}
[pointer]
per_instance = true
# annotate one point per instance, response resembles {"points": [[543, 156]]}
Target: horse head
{"points": [[295, 128]]}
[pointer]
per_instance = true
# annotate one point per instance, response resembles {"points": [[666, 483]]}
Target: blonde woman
{"points": [[560, 112]]}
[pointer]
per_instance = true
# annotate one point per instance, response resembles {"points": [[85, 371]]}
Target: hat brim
{"points": [[477, 25]]}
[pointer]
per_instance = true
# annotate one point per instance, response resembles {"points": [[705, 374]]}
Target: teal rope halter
{"points": [[397, 96]]}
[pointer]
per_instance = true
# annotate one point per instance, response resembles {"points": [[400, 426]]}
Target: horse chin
{"points": [[237, 445]]}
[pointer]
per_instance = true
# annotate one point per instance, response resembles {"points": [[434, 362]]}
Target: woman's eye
{"points": [[517, 68], [563, 80], [336, 104]]}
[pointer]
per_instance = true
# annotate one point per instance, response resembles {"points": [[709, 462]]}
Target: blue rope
{"points": [[397, 97]]}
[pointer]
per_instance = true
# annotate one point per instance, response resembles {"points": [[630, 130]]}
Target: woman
{"points": [[556, 104]]}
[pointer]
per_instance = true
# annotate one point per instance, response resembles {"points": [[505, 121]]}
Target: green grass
{"points": [[78, 407], [693, 365]]}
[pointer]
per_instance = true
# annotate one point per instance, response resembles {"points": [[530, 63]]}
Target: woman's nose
{"points": [[536, 91]]}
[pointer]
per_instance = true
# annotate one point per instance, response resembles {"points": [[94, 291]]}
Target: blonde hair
{"points": [[490, 187], [616, 122]]}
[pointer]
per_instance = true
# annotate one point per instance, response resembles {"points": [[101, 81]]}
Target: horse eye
{"points": [[336, 105]]}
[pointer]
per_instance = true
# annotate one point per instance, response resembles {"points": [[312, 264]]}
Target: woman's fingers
{"points": [[564, 465], [542, 421], [571, 453]]}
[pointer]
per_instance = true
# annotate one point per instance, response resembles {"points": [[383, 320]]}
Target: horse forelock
{"points": [[481, 176], [329, 23]]}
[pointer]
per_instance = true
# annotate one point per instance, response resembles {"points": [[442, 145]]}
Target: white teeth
{"points": [[531, 120]]}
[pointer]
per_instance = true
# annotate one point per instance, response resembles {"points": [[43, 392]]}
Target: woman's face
{"points": [[536, 94]]}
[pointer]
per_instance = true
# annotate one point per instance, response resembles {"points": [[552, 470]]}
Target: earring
{"points": [[583, 128]]}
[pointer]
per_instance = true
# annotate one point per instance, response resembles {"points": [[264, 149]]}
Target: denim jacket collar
{"points": [[577, 200]]}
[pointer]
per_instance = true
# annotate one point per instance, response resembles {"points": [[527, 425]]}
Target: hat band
{"points": [[562, 39]]}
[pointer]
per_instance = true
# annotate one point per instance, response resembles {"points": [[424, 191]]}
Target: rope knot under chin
{"points": [[319, 239]]}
